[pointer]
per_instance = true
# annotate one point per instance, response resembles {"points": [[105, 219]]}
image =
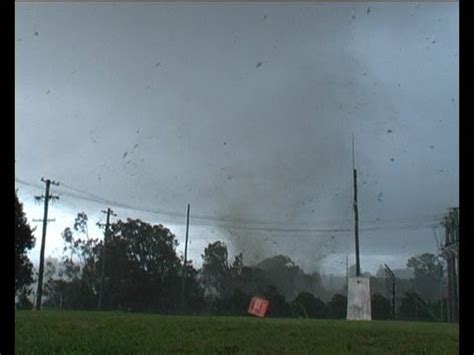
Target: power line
{"points": [[214, 219], [266, 227], [232, 223]]}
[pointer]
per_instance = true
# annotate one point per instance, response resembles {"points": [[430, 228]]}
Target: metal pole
{"points": [[347, 270], [356, 212], [183, 284]]}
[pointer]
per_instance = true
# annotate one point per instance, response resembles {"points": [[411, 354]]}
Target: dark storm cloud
{"points": [[247, 113]]}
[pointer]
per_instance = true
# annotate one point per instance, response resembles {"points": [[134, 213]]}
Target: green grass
{"points": [[49, 332]]}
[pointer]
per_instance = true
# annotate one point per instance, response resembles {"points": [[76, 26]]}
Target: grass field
{"points": [[49, 332]]}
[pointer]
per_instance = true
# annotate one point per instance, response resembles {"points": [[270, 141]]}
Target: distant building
{"points": [[450, 252]]}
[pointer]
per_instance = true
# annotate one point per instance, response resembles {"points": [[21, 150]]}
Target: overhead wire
{"points": [[263, 226]]}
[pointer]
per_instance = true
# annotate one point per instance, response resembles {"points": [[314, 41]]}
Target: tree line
{"points": [[139, 270]]}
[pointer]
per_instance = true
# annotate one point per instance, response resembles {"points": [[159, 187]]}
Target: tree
{"points": [[142, 270], [218, 277], [337, 307], [428, 270], [24, 302], [70, 284], [80, 223], [278, 306], [283, 273], [413, 308], [381, 307], [194, 292], [253, 281], [426, 264], [24, 241], [309, 306]]}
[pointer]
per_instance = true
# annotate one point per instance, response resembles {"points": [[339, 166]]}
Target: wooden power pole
{"points": [[104, 254], [47, 196]]}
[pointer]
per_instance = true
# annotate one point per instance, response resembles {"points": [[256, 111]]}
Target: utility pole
{"points": [[106, 233], [356, 212], [47, 196], [183, 284]]}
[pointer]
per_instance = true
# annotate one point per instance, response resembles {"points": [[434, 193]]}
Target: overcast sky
{"points": [[245, 111]]}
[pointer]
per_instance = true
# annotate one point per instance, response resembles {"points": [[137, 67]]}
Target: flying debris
{"points": [[389, 131], [452, 99], [391, 159], [136, 145], [47, 92], [433, 42], [368, 10], [379, 198], [224, 143], [431, 146], [157, 64], [36, 34], [259, 64], [353, 17], [138, 131], [264, 17], [124, 155]]}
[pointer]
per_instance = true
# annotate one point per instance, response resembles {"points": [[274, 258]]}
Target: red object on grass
{"points": [[258, 306]]}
